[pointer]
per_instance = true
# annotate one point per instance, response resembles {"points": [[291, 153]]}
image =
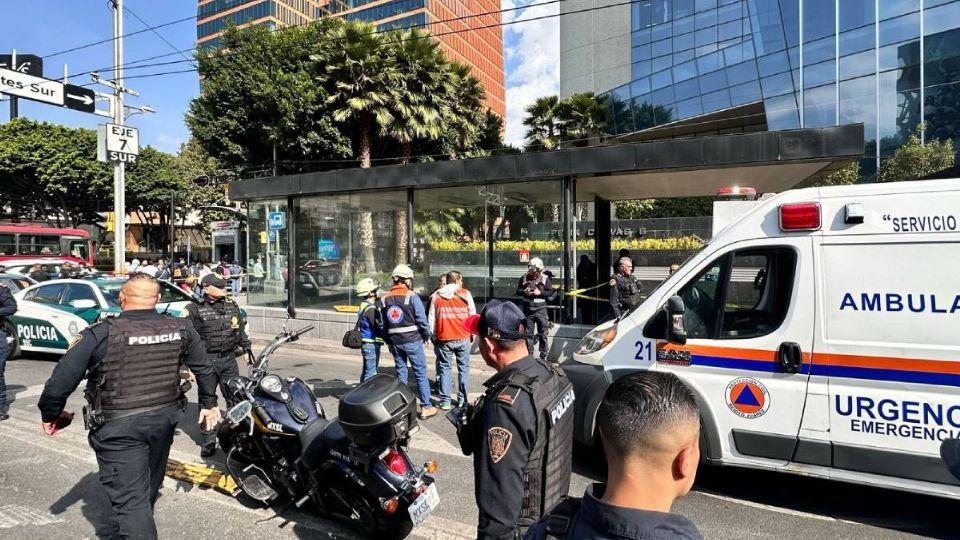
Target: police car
{"points": [[820, 332], [52, 312]]}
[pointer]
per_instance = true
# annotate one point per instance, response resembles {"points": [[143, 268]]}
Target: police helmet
{"points": [[367, 286], [403, 271]]}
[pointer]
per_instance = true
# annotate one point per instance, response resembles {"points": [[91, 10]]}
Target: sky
{"points": [[50, 26]]}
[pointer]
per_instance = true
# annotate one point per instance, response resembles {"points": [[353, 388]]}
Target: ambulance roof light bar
{"points": [[800, 216], [736, 193]]}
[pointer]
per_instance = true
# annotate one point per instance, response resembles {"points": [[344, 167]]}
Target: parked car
{"points": [[16, 282]]}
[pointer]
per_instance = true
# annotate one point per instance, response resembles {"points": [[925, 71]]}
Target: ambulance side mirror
{"points": [[676, 333]]}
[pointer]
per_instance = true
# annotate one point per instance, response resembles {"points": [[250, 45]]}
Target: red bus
{"points": [[35, 241]]}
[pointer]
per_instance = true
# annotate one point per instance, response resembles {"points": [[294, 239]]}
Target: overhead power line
{"points": [[154, 30], [111, 40]]}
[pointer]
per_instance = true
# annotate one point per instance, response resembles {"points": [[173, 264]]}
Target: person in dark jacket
{"points": [[223, 328], [649, 423], [8, 306], [370, 326], [535, 290], [625, 288], [38, 273], [134, 399]]}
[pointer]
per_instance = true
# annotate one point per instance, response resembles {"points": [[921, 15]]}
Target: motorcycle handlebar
{"points": [[302, 331]]}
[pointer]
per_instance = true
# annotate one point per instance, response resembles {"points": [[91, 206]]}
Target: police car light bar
{"points": [[800, 216]]}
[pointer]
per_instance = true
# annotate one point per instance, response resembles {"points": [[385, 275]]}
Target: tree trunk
{"points": [[366, 218], [400, 216]]}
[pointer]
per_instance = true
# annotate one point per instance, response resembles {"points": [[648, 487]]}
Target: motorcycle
{"points": [[353, 468]]}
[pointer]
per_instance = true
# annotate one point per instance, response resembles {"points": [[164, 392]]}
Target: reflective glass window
{"points": [[818, 74], [682, 8], [781, 112], [772, 64], [661, 11], [777, 84], [705, 4], [729, 30], [660, 64], [269, 252], [683, 25], [899, 112], [684, 71], [706, 19], [640, 69], [745, 93], [900, 29], [942, 71], [641, 37], [741, 73], [706, 49], [899, 55], [621, 109], [642, 52], [855, 13], [682, 42], [857, 65], [790, 13], [895, 8], [683, 56], [794, 55], [662, 97], [765, 24], [660, 31], [858, 40], [686, 89], [941, 19], [710, 62], [927, 4], [940, 111], [738, 53], [660, 80], [729, 12], [660, 48], [690, 107], [643, 117], [711, 82], [942, 45], [640, 86], [716, 101], [908, 78], [858, 104], [642, 14], [706, 36], [818, 51], [818, 18], [819, 106]]}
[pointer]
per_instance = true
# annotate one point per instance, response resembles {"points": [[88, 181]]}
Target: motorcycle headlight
{"points": [[596, 339], [271, 384]]}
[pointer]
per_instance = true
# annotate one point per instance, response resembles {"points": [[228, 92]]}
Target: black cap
{"points": [[215, 280], [499, 319]]}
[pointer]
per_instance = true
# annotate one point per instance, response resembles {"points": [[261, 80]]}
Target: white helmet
{"points": [[535, 264], [367, 286], [403, 271]]}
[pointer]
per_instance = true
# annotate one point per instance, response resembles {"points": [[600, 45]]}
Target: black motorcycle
{"points": [[353, 468]]}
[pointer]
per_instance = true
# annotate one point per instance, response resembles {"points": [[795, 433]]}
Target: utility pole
{"points": [[173, 223], [14, 109], [119, 200]]}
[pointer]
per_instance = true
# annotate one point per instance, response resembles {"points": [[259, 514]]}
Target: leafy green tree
{"points": [[50, 172], [152, 185], [915, 160], [840, 177], [543, 123], [583, 117], [464, 114], [661, 208]]}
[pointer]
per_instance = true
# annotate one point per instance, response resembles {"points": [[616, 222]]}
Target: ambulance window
{"points": [[758, 292], [47, 294], [701, 301]]}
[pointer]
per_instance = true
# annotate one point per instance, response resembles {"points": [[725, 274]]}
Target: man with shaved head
{"points": [[134, 399], [649, 423]]}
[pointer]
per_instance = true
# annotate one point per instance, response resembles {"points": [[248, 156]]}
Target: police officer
{"points": [[222, 327], [535, 289], [520, 432], [134, 399], [8, 306], [624, 288]]}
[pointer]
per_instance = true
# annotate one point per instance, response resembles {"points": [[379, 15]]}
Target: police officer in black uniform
{"points": [[520, 432], [8, 306], [535, 290], [222, 327], [134, 399], [624, 288]]}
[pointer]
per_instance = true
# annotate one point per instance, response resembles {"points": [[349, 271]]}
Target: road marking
{"points": [[13, 515], [770, 508]]}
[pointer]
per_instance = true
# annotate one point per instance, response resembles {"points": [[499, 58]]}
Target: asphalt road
{"points": [[49, 488]]}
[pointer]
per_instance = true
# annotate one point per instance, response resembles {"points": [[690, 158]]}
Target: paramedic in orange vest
{"points": [[450, 305]]}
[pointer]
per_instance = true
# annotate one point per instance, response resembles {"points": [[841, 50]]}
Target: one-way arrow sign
{"points": [[79, 98], [47, 91]]}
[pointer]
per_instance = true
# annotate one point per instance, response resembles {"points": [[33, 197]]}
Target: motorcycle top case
{"points": [[378, 412]]}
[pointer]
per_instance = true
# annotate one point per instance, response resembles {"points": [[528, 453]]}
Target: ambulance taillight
{"points": [[800, 216]]}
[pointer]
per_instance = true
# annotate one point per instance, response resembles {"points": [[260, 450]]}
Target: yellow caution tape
{"points": [[346, 309], [202, 476]]}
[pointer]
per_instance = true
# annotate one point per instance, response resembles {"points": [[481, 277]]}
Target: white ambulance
{"points": [[820, 332]]}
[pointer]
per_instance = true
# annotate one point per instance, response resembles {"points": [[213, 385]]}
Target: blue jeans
{"points": [[4, 351], [445, 352], [371, 359], [413, 351]]}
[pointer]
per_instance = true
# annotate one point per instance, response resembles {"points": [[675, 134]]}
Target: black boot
{"points": [[208, 450]]}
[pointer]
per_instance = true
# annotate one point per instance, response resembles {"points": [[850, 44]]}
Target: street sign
{"points": [[272, 236], [26, 63], [116, 143], [78, 98], [276, 221], [30, 87], [223, 225]]}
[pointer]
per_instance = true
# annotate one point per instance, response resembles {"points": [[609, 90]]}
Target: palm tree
{"points": [[464, 115], [542, 123], [361, 77], [583, 116]]}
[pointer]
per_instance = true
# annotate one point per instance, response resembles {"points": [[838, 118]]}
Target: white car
{"points": [[51, 313]]}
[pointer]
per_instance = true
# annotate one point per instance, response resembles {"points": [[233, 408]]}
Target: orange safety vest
{"points": [[450, 314]]}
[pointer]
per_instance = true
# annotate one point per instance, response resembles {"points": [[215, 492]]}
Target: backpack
{"points": [[559, 522]]}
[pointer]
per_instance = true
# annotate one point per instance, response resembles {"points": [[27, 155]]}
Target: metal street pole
{"points": [[14, 109], [119, 201], [173, 223]]}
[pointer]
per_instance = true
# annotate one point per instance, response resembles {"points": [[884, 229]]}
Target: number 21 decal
{"points": [[644, 351]]}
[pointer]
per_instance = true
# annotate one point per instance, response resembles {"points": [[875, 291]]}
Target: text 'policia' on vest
{"points": [[140, 371], [220, 332]]}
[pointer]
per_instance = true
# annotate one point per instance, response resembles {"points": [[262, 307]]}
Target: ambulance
{"points": [[819, 331]]}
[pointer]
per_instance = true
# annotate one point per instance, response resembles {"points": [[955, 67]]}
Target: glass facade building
{"points": [[889, 64]]}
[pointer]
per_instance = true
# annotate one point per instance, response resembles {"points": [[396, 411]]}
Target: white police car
{"points": [[51, 313]]}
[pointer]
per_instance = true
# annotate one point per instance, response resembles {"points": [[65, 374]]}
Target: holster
{"points": [[92, 420], [460, 418]]}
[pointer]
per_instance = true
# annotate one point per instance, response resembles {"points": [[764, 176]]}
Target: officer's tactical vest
{"points": [[629, 288], [399, 317], [220, 332], [140, 370], [546, 477], [537, 302]]}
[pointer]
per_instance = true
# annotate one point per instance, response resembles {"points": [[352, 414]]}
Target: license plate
{"points": [[426, 503]]}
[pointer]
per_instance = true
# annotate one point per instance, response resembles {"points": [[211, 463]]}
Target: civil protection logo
{"points": [[747, 398], [395, 314]]}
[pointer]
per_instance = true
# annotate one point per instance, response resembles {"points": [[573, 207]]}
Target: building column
{"points": [[603, 210]]}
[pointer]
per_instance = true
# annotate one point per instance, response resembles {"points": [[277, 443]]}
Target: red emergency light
{"points": [[800, 216]]}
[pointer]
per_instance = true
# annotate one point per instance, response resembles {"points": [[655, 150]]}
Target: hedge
{"points": [[683, 242]]}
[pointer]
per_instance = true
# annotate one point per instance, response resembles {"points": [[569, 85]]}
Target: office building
{"points": [[468, 30], [688, 67]]}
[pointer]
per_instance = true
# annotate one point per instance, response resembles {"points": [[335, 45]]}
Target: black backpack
{"points": [[560, 520]]}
